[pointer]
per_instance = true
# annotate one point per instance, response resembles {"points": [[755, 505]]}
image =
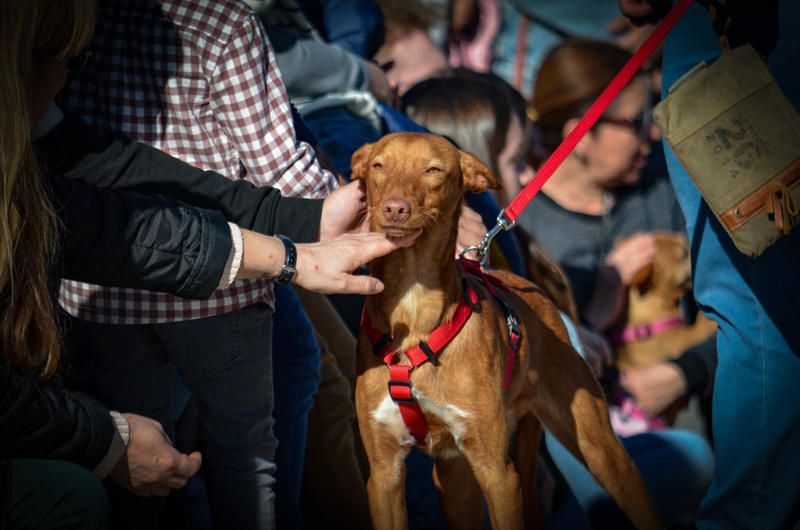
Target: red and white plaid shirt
{"points": [[199, 81]]}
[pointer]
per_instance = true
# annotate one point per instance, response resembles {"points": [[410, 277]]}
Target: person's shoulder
{"points": [[216, 20]]}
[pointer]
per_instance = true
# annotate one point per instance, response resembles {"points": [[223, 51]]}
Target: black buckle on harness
{"points": [[378, 347], [429, 353], [406, 384]]}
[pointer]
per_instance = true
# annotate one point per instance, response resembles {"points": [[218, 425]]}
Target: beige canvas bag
{"points": [[738, 138]]}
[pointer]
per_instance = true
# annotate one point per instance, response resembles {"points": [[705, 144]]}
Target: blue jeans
{"points": [[295, 363], [226, 363], [756, 407]]}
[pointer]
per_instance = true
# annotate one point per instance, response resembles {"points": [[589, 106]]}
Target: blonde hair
{"points": [[32, 32]]}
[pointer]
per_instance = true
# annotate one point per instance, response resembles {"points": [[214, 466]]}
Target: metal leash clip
{"points": [[482, 248]]}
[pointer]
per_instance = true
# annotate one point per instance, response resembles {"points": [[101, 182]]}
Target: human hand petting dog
{"points": [[470, 231], [150, 465], [326, 266], [344, 211]]}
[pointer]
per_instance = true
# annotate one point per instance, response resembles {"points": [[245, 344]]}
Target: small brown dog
{"points": [[655, 330], [416, 182]]}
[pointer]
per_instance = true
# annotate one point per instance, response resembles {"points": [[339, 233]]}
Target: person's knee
{"points": [[64, 495]]}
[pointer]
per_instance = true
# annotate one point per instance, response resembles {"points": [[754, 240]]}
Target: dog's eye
{"points": [[433, 170], [377, 165]]}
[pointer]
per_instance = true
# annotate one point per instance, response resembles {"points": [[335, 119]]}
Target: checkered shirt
{"points": [[198, 80]]}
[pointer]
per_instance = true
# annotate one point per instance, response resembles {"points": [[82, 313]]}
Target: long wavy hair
{"points": [[32, 32]]}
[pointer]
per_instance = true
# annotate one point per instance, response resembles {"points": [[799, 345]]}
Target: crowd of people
{"points": [[183, 257]]}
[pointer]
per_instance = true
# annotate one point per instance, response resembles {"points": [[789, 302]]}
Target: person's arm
{"points": [[129, 240], [77, 151], [335, 70]]}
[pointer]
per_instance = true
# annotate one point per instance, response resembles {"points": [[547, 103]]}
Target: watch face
{"points": [[289, 263]]}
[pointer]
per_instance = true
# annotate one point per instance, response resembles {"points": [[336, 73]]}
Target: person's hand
{"points": [[326, 267], [470, 231], [378, 84], [645, 11], [344, 211], [150, 465], [631, 255], [596, 351], [654, 387]]}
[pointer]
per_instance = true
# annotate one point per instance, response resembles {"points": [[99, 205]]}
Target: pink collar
{"points": [[645, 331]]}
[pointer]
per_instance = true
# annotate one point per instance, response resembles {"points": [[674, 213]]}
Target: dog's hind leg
{"points": [[459, 494], [571, 406], [526, 454]]}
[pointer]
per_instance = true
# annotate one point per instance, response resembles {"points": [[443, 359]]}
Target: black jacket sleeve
{"points": [[118, 239], [129, 240], [41, 419], [74, 149]]}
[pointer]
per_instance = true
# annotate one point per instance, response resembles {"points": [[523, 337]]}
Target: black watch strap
{"points": [[289, 263]]}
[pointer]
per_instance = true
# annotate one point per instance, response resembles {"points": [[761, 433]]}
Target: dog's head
{"points": [[670, 273], [416, 180]]}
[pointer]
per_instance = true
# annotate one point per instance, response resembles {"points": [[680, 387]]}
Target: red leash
{"points": [[508, 216]]}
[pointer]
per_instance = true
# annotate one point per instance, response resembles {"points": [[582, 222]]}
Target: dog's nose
{"points": [[396, 210]]}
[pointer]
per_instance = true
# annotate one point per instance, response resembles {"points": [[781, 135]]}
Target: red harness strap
{"points": [[400, 388]]}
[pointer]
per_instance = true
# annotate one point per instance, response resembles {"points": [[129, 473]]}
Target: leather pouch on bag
{"points": [[738, 138]]}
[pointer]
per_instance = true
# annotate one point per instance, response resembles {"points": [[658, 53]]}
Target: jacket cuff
{"points": [[119, 443], [298, 219], [215, 247]]}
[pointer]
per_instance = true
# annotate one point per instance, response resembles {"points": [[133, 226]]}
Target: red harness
{"points": [[400, 387]]}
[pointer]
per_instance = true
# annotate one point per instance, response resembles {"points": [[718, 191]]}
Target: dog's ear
{"points": [[359, 162], [642, 276], [477, 177]]}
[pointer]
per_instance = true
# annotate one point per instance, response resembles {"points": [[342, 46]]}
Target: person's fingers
{"points": [[360, 284], [188, 465], [174, 482]]}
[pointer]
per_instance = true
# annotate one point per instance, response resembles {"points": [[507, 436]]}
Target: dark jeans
{"points": [[54, 494], [226, 363], [296, 358]]}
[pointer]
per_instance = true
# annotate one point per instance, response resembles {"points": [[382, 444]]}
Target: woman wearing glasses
{"points": [[603, 192]]}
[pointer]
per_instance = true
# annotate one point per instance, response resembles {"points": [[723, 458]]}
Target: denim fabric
{"points": [[579, 18], [676, 466], [756, 407], [340, 133], [295, 365], [226, 363]]}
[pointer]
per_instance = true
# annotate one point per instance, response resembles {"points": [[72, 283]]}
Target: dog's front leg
{"points": [[387, 443], [459, 494], [487, 454]]}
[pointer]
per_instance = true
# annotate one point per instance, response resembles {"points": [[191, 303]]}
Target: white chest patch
{"points": [[388, 414]]}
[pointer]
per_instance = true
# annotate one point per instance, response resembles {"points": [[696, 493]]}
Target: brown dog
{"points": [[655, 330], [417, 181]]}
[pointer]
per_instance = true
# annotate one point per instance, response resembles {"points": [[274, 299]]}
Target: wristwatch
{"points": [[289, 262]]}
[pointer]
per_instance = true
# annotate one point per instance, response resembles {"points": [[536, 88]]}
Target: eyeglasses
{"points": [[640, 125], [78, 63]]}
